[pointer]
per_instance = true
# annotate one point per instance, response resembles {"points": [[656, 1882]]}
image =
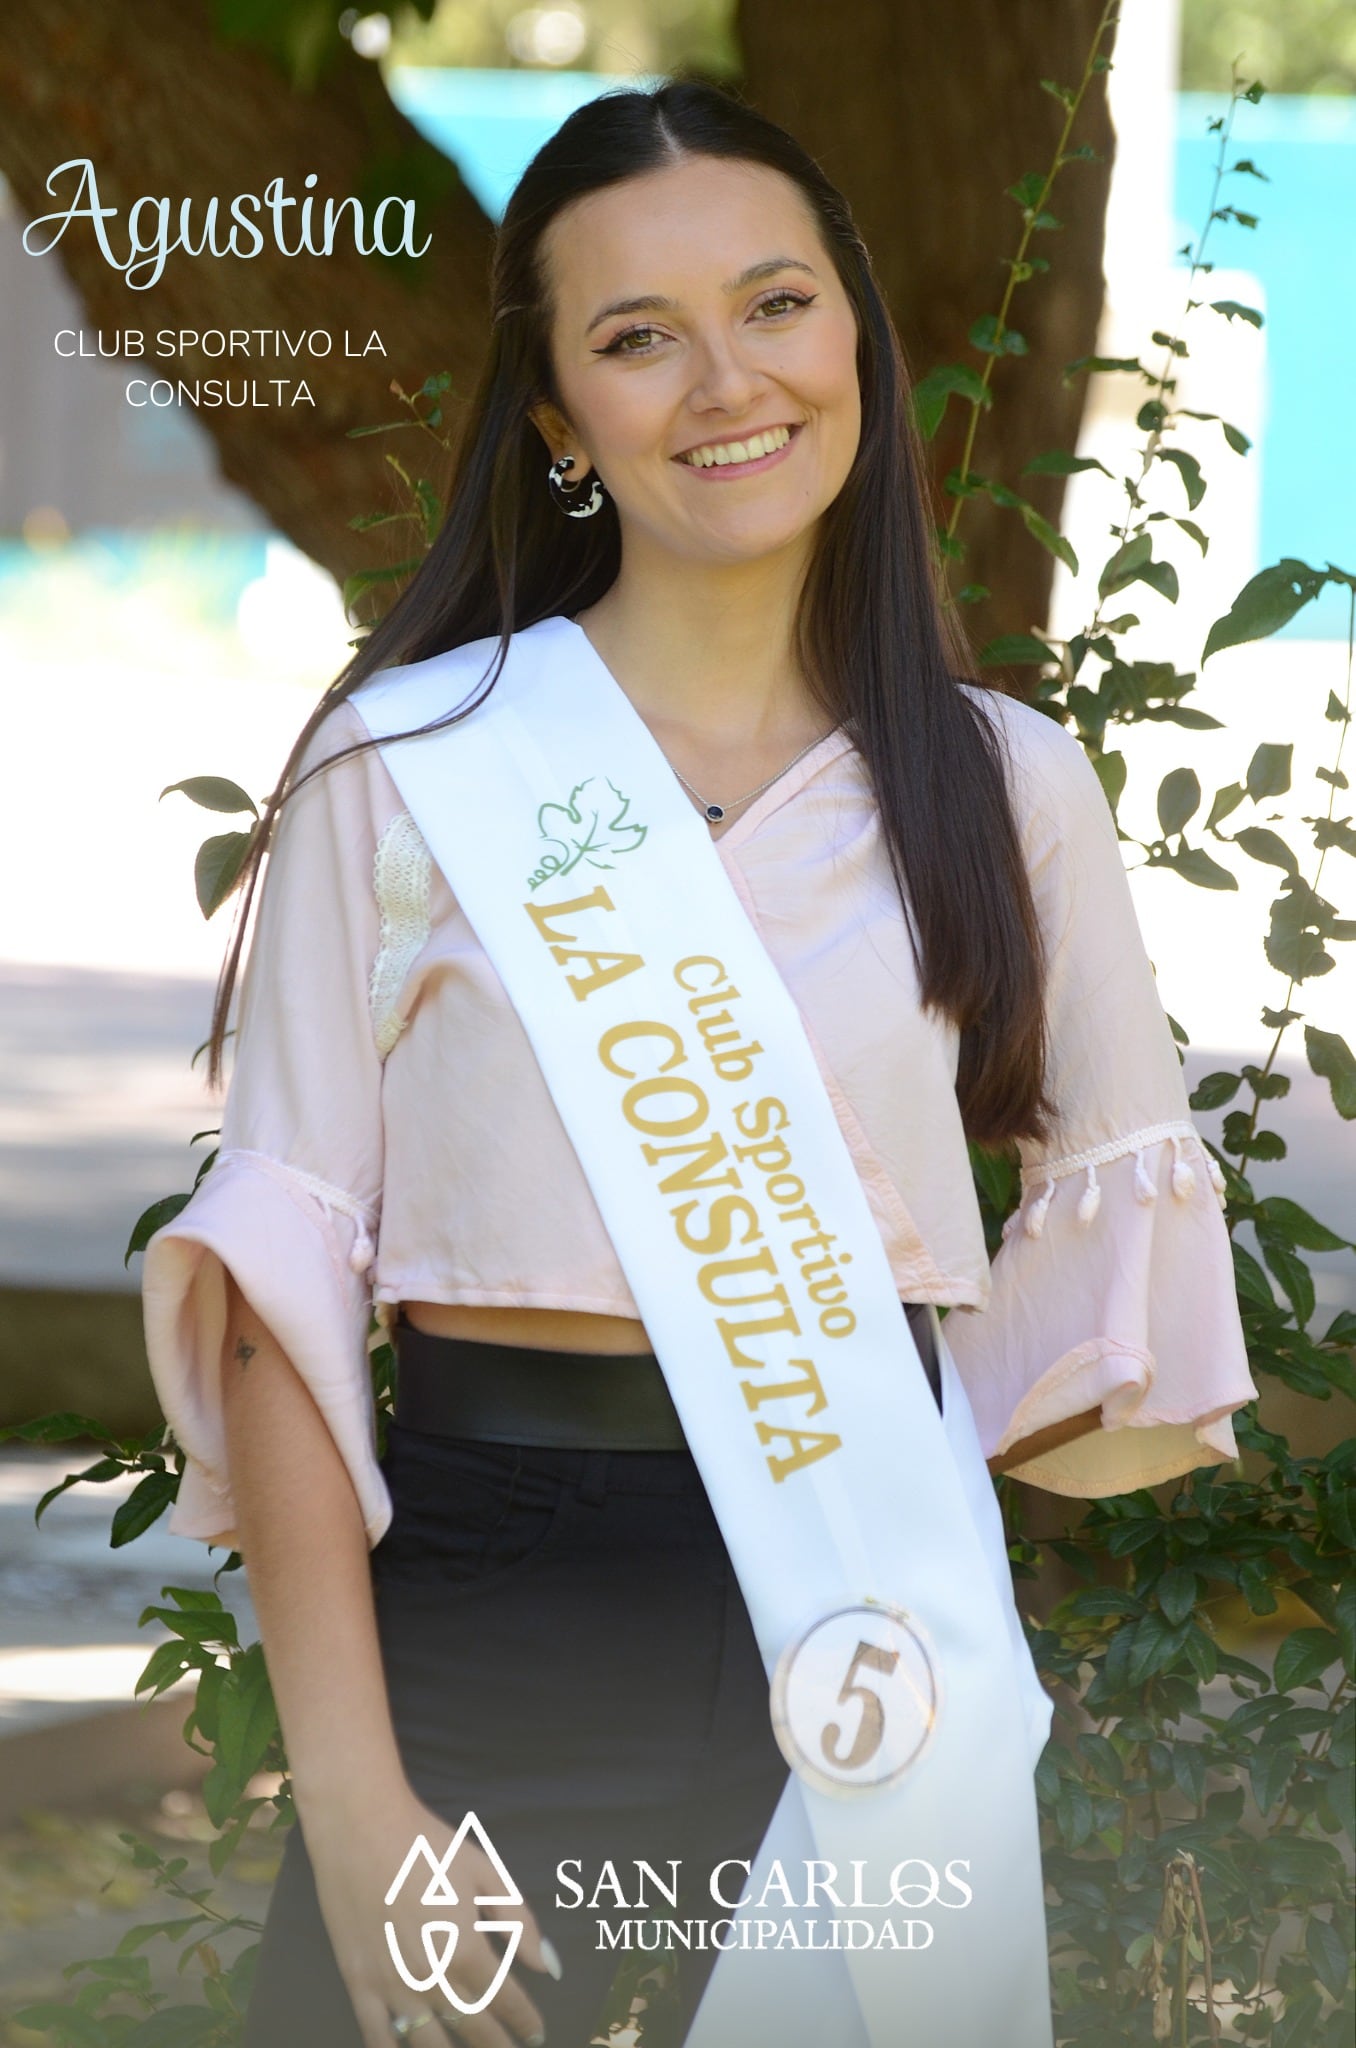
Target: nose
{"points": [[725, 378]]}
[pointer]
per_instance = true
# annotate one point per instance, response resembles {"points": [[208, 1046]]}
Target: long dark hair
{"points": [[875, 647]]}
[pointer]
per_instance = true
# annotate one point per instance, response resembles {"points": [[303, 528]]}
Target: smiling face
{"points": [[706, 357]]}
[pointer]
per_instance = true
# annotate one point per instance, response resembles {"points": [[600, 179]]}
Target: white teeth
{"points": [[726, 452]]}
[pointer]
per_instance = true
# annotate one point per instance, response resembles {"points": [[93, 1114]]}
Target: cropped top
{"points": [[387, 1134]]}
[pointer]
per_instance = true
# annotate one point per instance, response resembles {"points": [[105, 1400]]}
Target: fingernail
{"points": [[552, 1960], [537, 2040]]}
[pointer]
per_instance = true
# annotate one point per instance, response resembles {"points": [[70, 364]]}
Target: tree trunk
{"points": [[923, 115], [162, 107]]}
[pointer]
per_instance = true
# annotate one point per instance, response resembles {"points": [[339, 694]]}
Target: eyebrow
{"points": [[655, 303]]}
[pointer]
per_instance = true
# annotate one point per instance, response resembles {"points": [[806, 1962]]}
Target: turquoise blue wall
{"points": [[1304, 253]]}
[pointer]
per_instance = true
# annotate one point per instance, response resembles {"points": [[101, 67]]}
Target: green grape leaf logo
{"points": [[589, 830]]}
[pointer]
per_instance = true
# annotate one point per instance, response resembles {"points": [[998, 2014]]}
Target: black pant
{"points": [[567, 1653]]}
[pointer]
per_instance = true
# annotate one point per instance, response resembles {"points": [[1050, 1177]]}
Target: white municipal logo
{"points": [[438, 1891]]}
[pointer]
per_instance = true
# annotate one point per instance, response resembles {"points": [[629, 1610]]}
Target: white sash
{"points": [[765, 1291]]}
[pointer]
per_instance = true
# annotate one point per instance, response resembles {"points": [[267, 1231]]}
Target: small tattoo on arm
{"points": [[244, 1352]]}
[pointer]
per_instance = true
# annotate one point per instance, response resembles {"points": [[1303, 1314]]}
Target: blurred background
{"points": [[168, 595]]}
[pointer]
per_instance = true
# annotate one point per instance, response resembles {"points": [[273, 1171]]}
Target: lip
{"points": [[729, 472]]}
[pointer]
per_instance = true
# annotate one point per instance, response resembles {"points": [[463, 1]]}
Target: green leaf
{"points": [[1269, 771], [1304, 1656], [1226, 800], [986, 336], [153, 1219], [1190, 528], [1250, 1280], [214, 793], [1015, 650], [1297, 1282], [1260, 844], [364, 522], [217, 869], [1296, 1226], [1215, 1090], [1196, 866], [64, 2026], [1238, 1137], [143, 1505], [1189, 470], [247, 1718], [55, 1428], [1162, 577], [1027, 189], [1176, 1592], [1236, 438], [1233, 311], [1268, 601], [1110, 770], [1268, 1087], [1101, 366], [1327, 1952], [363, 580], [931, 393], [1331, 1059], [1179, 799], [1337, 832], [1041, 530], [1270, 1771], [1336, 710], [1182, 714], [1058, 462], [1125, 564]]}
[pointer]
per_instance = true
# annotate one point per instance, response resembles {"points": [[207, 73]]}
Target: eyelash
{"points": [[614, 347]]}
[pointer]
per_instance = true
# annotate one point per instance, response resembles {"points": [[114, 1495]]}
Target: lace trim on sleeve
{"points": [[1032, 1215], [330, 1198], [401, 868]]}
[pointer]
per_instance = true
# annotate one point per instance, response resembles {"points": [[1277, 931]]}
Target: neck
{"points": [[706, 649]]}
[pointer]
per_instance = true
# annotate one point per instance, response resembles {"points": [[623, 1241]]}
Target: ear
{"points": [[560, 438]]}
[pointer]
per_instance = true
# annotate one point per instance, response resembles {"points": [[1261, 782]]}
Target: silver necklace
{"points": [[715, 812]]}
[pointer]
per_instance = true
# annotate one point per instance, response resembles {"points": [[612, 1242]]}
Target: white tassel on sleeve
{"points": [[1217, 1180], [1183, 1172], [363, 1252], [1040, 1208], [1145, 1191], [1090, 1201]]}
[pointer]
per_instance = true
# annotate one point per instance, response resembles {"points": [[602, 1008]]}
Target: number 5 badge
{"points": [[855, 1699]]}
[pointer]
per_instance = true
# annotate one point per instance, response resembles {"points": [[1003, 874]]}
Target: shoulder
{"points": [[1053, 786]]}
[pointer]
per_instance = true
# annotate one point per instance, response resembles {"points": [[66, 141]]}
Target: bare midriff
{"points": [[545, 1329]]}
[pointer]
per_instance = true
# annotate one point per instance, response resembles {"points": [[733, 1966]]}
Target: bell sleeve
{"points": [[1113, 1288], [291, 1204]]}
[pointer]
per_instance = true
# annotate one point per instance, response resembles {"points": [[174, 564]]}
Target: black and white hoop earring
{"points": [[563, 492]]}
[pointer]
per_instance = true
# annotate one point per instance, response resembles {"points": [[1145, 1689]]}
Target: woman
{"points": [[688, 460]]}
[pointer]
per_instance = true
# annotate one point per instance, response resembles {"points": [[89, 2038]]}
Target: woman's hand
{"points": [[356, 1858]]}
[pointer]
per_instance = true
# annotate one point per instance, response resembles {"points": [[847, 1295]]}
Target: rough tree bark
{"points": [[923, 115], [162, 106]]}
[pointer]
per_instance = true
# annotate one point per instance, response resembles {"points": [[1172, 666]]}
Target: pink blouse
{"points": [[387, 1134]]}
